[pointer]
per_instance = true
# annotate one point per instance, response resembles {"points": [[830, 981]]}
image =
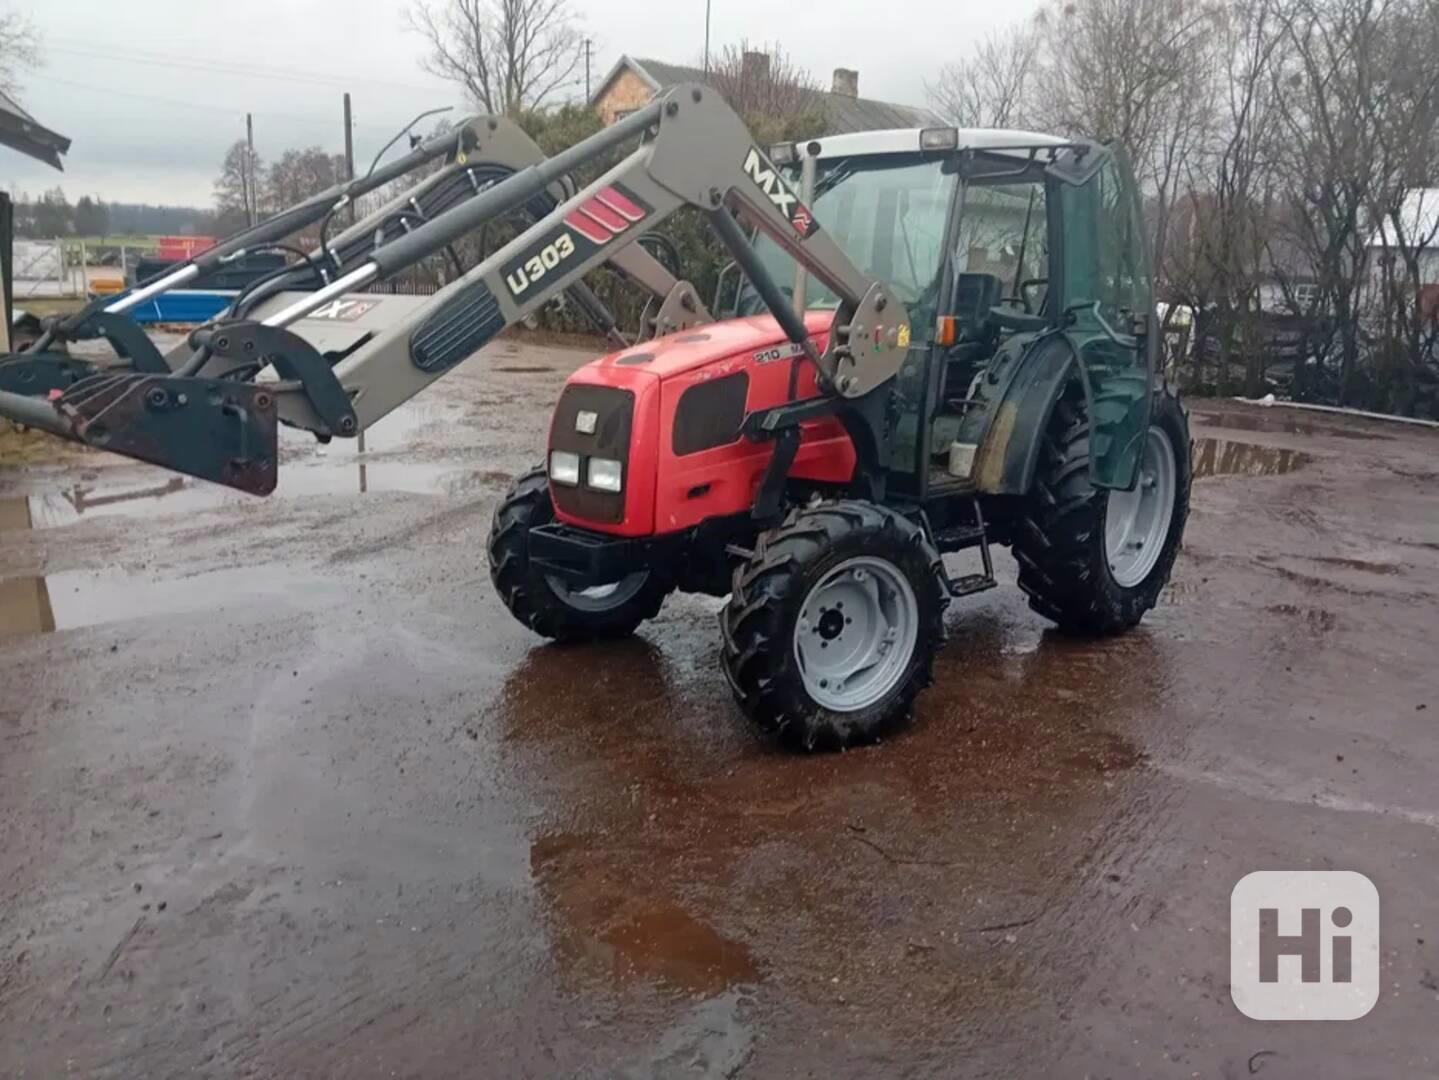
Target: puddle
{"points": [[622, 932], [76, 598], [1283, 422], [1226, 457], [306, 469]]}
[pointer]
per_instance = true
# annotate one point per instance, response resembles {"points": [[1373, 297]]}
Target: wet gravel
{"points": [[285, 792]]}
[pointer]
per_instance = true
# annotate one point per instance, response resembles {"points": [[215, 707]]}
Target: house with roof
{"points": [[1416, 231], [632, 82]]}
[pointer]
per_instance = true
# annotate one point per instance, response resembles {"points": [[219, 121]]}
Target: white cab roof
{"points": [[906, 140]]}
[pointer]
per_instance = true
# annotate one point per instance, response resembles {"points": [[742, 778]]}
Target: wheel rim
{"points": [[1136, 523], [596, 598], [855, 634]]}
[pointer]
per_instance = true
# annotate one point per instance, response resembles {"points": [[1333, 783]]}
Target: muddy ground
{"points": [[287, 793]]}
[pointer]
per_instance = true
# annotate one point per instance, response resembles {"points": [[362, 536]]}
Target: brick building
{"points": [[631, 83]]}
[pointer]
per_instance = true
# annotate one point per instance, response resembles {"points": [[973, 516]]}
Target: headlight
{"points": [[564, 467], [604, 474]]}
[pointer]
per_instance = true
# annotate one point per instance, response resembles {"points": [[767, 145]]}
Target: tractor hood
{"points": [[740, 339]]}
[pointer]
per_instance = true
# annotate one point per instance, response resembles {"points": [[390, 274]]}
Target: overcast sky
{"points": [[153, 91]]}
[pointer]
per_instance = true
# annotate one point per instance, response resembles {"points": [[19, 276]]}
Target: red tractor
{"points": [[941, 339], [1016, 406]]}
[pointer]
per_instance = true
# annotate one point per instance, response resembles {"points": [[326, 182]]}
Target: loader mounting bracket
{"points": [[38, 374], [43, 371], [214, 429], [245, 344], [125, 336], [780, 424]]}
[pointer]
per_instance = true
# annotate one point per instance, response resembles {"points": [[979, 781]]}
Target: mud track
{"points": [[285, 792]]}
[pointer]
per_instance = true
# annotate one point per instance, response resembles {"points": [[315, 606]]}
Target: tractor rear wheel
{"points": [[1094, 561], [546, 603], [832, 625]]}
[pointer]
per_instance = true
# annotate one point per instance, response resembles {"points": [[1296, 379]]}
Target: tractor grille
{"points": [[614, 410]]}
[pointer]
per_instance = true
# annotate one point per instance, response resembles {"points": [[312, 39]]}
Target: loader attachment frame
{"points": [[481, 152], [694, 152]]}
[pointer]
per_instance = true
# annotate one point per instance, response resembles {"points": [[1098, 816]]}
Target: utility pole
{"points": [[251, 203], [350, 175], [588, 43], [349, 150], [707, 37]]}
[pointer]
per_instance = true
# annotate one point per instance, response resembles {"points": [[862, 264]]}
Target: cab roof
{"points": [[907, 140]]}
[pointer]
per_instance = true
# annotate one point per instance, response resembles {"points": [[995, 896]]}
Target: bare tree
{"points": [[237, 196], [1138, 73], [990, 88], [1331, 156], [1403, 208], [1228, 192], [19, 49], [508, 55], [768, 89]]}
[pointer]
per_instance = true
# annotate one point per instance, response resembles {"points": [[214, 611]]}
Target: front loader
{"points": [[471, 158], [944, 340]]}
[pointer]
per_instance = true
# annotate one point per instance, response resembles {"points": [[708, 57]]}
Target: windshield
{"points": [[888, 214]]}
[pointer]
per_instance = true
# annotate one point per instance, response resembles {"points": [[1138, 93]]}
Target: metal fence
{"points": [[42, 270]]}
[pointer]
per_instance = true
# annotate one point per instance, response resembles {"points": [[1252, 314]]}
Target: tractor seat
{"points": [[974, 296]]}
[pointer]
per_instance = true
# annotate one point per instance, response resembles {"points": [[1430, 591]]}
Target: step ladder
{"points": [[969, 584]]}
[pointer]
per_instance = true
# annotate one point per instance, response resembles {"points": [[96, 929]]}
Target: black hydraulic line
{"points": [[314, 208], [445, 195], [750, 265], [404, 131], [508, 194]]}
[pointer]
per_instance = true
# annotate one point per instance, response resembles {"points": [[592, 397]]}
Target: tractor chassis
{"points": [[703, 559]]}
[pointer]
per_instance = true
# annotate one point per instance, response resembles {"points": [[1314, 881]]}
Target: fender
{"points": [[1010, 432]]}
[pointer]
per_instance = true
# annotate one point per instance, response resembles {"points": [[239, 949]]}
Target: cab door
{"points": [[1105, 301]]}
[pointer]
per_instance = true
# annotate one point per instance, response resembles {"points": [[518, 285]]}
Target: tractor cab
{"points": [[997, 242]]}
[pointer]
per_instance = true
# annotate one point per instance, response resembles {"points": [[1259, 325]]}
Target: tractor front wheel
{"points": [[832, 625], [548, 604], [1091, 560]]}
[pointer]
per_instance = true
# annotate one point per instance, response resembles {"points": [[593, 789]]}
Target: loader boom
{"points": [[480, 153], [700, 155], [694, 152]]}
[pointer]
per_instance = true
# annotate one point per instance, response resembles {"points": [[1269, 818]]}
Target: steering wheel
{"points": [[1021, 321], [1024, 288]]}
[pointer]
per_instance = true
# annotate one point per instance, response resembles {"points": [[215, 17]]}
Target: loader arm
{"points": [[494, 143], [695, 152], [699, 155], [480, 152]]}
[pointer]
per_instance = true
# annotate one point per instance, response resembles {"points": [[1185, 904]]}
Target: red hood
{"points": [[678, 353]]}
